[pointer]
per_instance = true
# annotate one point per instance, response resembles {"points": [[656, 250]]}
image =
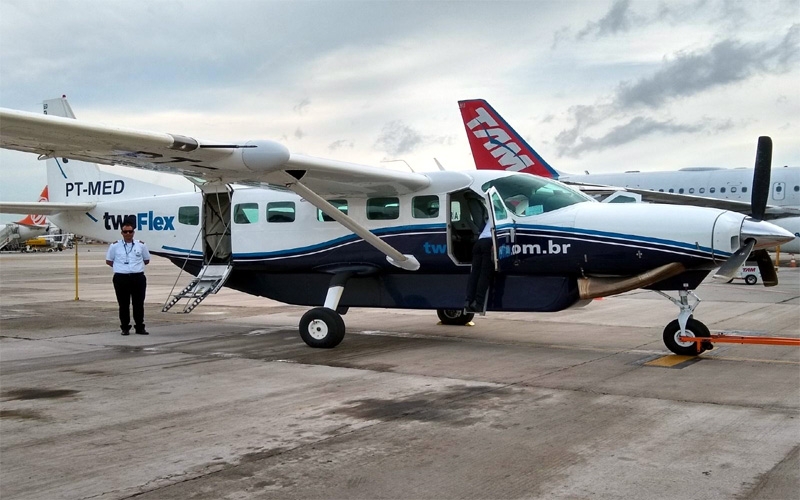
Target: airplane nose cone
{"points": [[766, 235]]}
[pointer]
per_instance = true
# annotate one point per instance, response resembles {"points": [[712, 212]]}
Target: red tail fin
{"points": [[33, 219], [495, 145]]}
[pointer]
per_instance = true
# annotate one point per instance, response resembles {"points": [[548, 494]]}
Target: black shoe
{"points": [[126, 332], [142, 332]]}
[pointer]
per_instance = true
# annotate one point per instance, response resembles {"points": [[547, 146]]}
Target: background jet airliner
{"points": [[326, 233], [496, 145]]}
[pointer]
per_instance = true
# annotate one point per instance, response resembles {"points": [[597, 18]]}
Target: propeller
{"points": [[758, 206]]}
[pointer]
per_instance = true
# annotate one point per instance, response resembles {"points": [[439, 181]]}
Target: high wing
{"points": [[253, 162], [771, 211]]}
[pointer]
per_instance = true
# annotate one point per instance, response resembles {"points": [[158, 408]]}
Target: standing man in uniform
{"points": [[482, 263], [128, 257]]}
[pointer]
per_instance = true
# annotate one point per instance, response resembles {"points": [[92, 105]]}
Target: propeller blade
{"points": [[766, 267], [728, 270], [760, 194]]}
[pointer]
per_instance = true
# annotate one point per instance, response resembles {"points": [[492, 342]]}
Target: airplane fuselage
{"points": [[277, 240]]}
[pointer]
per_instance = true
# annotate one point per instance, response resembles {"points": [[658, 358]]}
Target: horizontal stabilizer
{"points": [[42, 207]]}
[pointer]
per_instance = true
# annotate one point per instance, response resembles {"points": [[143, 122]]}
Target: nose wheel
{"points": [[685, 326], [694, 328]]}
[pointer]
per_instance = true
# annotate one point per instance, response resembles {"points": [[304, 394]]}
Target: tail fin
{"points": [[495, 145], [78, 181], [36, 219]]}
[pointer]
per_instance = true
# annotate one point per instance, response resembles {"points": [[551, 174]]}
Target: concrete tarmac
{"points": [[228, 402]]}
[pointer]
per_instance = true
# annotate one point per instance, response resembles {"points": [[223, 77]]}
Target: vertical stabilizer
{"points": [[36, 219], [497, 146]]}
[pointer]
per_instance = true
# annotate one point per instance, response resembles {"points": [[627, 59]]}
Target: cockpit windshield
{"points": [[526, 195]]}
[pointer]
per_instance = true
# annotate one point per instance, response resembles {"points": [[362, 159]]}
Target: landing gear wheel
{"points": [[751, 279], [694, 328], [454, 316], [322, 327]]}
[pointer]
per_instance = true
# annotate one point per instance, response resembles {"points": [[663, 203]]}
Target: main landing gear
{"points": [[685, 326], [323, 326], [454, 316]]}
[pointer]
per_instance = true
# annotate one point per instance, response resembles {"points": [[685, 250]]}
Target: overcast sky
{"points": [[602, 85]]}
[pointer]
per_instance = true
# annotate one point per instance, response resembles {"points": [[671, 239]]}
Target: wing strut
{"points": [[407, 262]]}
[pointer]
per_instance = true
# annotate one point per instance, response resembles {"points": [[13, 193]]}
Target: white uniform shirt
{"points": [[128, 257]]}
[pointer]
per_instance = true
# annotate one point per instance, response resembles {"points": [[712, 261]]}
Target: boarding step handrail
{"points": [[207, 282]]}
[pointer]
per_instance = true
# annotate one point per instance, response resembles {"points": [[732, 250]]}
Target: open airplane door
{"points": [[502, 231]]}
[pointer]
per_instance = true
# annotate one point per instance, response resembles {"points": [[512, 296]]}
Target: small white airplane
{"points": [[15, 234], [320, 232], [496, 145]]}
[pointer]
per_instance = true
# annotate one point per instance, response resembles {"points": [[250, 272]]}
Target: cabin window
{"points": [[671, 190], [733, 189], [721, 190], [245, 213], [383, 208], [712, 190], [340, 205], [691, 190], [778, 189], [796, 189], [189, 215], [744, 189], [455, 211], [680, 191], [702, 190], [425, 207], [660, 190], [280, 211]]}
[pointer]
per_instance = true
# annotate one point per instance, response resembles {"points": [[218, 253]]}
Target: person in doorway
{"points": [[128, 257], [481, 270]]}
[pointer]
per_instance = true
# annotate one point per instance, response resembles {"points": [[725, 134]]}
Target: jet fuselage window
{"points": [[425, 207], [280, 211], [778, 189], [189, 215], [341, 205], [744, 189], [712, 190], [385, 208], [702, 190], [796, 189], [680, 191], [691, 190], [245, 213], [733, 189], [671, 190], [542, 195], [721, 190]]}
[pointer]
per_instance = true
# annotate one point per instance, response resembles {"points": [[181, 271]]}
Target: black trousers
{"points": [[130, 287], [481, 272]]}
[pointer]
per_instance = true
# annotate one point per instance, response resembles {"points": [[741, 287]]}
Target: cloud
{"points": [[637, 128], [618, 19], [397, 138], [340, 144], [726, 62], [302, 106]]}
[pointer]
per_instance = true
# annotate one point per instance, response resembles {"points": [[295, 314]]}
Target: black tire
{"points": [[454, 316], [694, 328], [751, 279], [322, 327]]}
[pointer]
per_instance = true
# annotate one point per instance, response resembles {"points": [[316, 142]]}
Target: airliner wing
{"points": [[771, 212], [254, 162], [42, 207]]}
